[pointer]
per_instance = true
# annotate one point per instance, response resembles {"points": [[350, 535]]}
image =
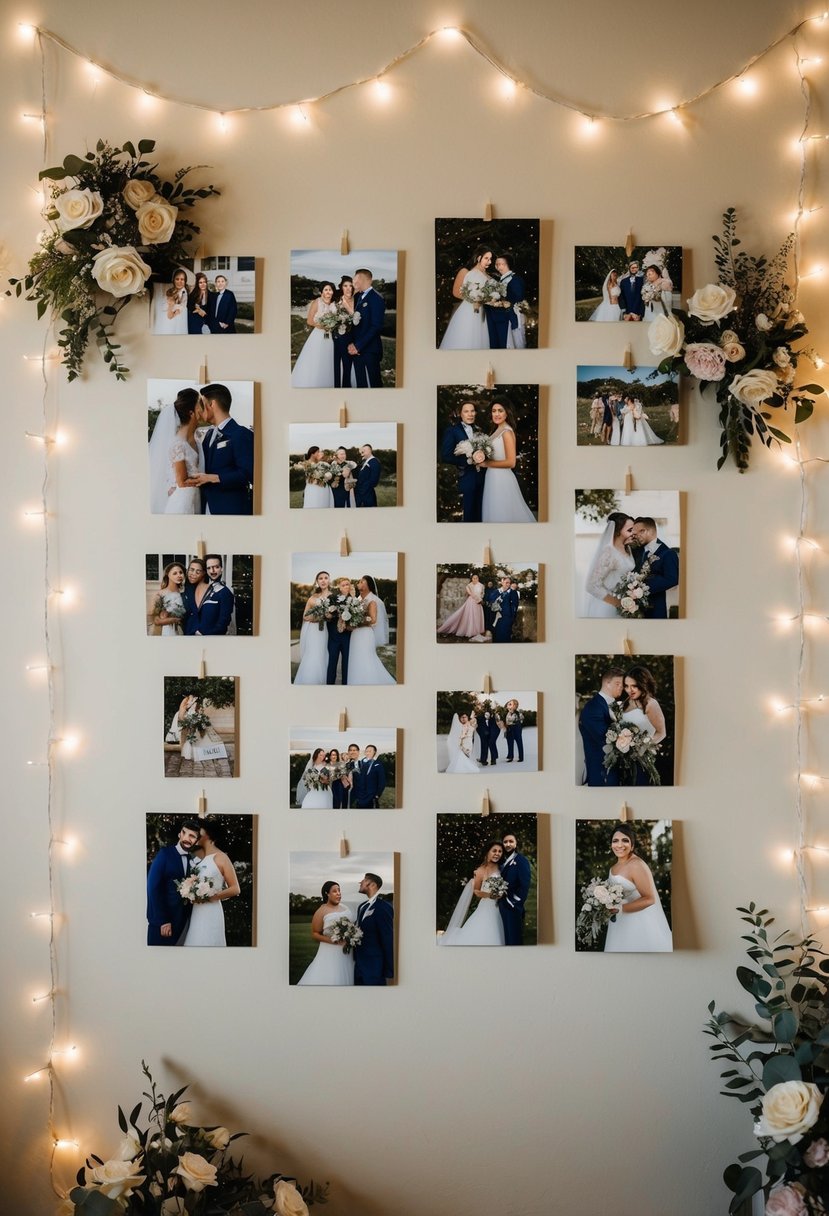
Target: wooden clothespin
{"points": [[344, 249], [627, 647], [343, 416], [202, 667], [489, 378], [202, 805], [201, 549], [487, 560], [343, 726], [487, 684], [203, 371], [625, 814], [627, 360], [629, 481], [485, 804], [345, 548], [343, 846], [630, 243], [488, 213]]}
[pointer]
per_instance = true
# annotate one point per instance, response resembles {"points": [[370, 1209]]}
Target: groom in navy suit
{"points": [[368, 476], [374, 956], [366, 346], [594, 721], [369, 780], [488, 731], [470, 476], [630, 286], [227, 450], [212, 616], [507, 605], [663, 565], [223, 319], [501, 318], [167, 913], [515, 870]]}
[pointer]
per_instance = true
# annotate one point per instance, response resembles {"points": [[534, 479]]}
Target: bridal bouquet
{"points": [[341, 469], [173, 1167], [737, 337], [478, 443], [600, 901], [633, 592], [628, 748], [320, 612], [346, 320], [328, 322], [195, 724], [352, 613], [112, 228], [317, 778], [496, 886], [345, 931], [196, 888], [477, 294]]}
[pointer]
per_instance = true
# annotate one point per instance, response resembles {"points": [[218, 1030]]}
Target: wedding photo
{"points": [[344, 618], [201, 447], [478, 730], [495, 603], [215, 295], [623, 886], [344, 318], [340, 771], [342, 912], [487, 879], [612, 285], [201, 880], [351, 466], [486, 284], [488, 443], [625, 719], [201, 726], [214, 595], [627, 554], [630, 409]]}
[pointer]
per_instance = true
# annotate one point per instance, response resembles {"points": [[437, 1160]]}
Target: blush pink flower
{"points": [[705, 360], [817, 1154], [786, 1201]]}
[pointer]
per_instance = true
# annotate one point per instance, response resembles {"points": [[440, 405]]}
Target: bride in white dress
{"points": [[171, 306], [207, 920], [314, 367], [641, 708], [175, 457], [467, 328], [313, 640], [461, 745], [330, 965], [611, 561], [307, 796], [609, 309], [641, 925], [169, 609], [364, 665], [484, 927], [636, 432], [316, 496], [503, 502]]}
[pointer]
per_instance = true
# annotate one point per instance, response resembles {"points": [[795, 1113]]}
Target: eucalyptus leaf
{"points": [[780, 1068]]}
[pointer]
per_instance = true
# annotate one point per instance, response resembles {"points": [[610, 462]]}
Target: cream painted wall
{"points": [[536, 1082]]}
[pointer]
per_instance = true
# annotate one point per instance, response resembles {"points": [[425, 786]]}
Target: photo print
{"points": [[344, 318], [351, 770], [623, 886], [620, 408], [201, 727], [487, 454], [478, 730], [348, 467], [614, 286], [342, 912], [215, 295], [627, 557], [486, 284], [495, 603], [625, 719], [201, 880], [487, 879], [344, 618], [201, 447], [210, 596]]}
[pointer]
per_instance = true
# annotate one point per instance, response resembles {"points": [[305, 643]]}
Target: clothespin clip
{"points": [[488, 213], [487, 559], [344, 250], [487, 684], [202, 667], [343, 726], [489, 379], [629, 481], [203, 371], [627, 360], [343, 416], [630, 243], [344, 546], [485, 804], [201, 549], [202, 805], [343, 846], [625, 814], [627, 647]]}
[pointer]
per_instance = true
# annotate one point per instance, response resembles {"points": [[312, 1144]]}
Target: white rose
{"points": [[601, 894], [287, 1200], [218, 1138], [789, 1109], [762, 322], [195, 1172], [754, 387], [116, 1178], [732, 347], [121, 272], [782, 356], [711, 303], [666, 335], [137, 191], [128, 1149], [156, 221], [78, 208], [627, 603], [182, 1113], [787, 374]]}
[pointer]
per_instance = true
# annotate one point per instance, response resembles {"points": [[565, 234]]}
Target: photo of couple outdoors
{"points": [[627, 554], [343, 467], [200, 726], [215, 295], [623, 886], [486, 274], [200, 880], [487, 447], [614, 286], [343, 318], [487, 880], [495, 603], [342, 920], [476, 730], [344, 618], [201, 447], [620, 408], [625, 719], [356, 770], [210, 596]]}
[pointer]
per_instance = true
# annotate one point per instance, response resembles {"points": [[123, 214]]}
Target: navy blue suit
{"points": [[516, 871], [374, 957], [340, 494], [368, 476], [499, 321], [212, 615], [164, 904], [594, 722], [338, 647], [369, 783], [664, 574], [631, 293], [502, 629], [367, 338], [343, 361], [515, 737], [470, 477], [490, 596], [194, 321], [224, 313], [339, 794], [488, 730], [231, 457]]}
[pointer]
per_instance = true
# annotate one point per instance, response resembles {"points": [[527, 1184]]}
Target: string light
{"points": [[66, 1144], [382, 90], [747, 85]]}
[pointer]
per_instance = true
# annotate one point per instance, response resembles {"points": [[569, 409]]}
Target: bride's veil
{"points": [[605, 541], [454, 740], [161, 470], [301, 787], [459, 915], [605, 291], [381, 627]]}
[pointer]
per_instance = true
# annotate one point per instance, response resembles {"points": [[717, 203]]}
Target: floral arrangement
{"points": [[317, 778], [629, 748], [328, 322], [319, 613], [196, 888], [496, 886], [738, 337], [345, 931], [477, 294], [780, 1069], [195, 724], [478, 443], [352, 613], [173, 1167], [633, 592], [600, 901], [115, 226]]}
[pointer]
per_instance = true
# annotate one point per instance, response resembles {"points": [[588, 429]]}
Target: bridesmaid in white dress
{"points": [[313, 640], [461, 744], [316, 496], [307, 796], [207, 920], [503, 502], [611, 561], [331, 966], [641, 925], [364, 664], [484, 927], [314, 367], [468, 620], [467, 328], [609, 309], [169, 608]]}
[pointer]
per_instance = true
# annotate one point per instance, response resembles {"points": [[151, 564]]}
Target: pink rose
{"points": [[625, 741], [705, 360], [817, 1154], [786, 1201]]}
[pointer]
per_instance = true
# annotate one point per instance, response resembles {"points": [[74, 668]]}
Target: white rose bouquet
{"points": [[320, 613], [115, 226], [495, 886], [628, 749], [478, 443], [196, 888], [634, 593], [601, 899], [345, 931], [317, 778], [477, 294], [352, 612], [329, 322]]}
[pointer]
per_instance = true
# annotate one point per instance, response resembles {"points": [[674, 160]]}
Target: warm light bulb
{"points": [[675, 116], [41, 997], [748, 85], [66, 1144], [221, 123], [508, 86], [590, 126], [25, 31], [36, 1075], [814, 274], [67, 594], [147, 101], [815, 59], [451, 33], [382, 91], [69, 743]]}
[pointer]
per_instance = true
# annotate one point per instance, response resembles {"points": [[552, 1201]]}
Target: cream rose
{"points": [[128, 1149], [786, 1201], [156, 221], [754, 387], [137, 191], [117, 1178], [120, 271], [78, 208], [782, 356], [817, 1154], [711, 303], [732, 347], [287, 1200], [705, 360], [219, 1138], [195, 1172], [789, 1109], [666, 335], [762, 322], [183, 1113]]}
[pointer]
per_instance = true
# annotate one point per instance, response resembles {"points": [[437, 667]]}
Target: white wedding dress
{"points": [[609, 309], [316, 800], [331, 966], [184, 500], [638, 932], [207, 921], [461, 745], [314, 367], [170, 325], [609, 566], [168, 445], [636, 433], [169, 600], [483, 928], [316, 497], [313, 653], [467, 329], [503, 502], [364, 667]]}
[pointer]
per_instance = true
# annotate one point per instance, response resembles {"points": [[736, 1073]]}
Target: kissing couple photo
{"points": [[500, 852], [344, 626], [213, 295], [343, 467], [355, 770], [477, 729], [620, 408], [497, 603], [614, 286], [623, 886], [198, 743], [625, 720], [188, 595]]}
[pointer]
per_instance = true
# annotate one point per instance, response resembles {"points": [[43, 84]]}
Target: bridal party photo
{"points": [[496, 603], [347, 770], [623, 886], [344, 618], [625, 719], [343, 318], [350, 467], [201, 880], [486, 284], [627, 554], [488, 443], [342, 920], [201, 726], [630, 409], [207, 296], [613, 285], [201, 447], [487, 879], [482, 730], [214, 595]]}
